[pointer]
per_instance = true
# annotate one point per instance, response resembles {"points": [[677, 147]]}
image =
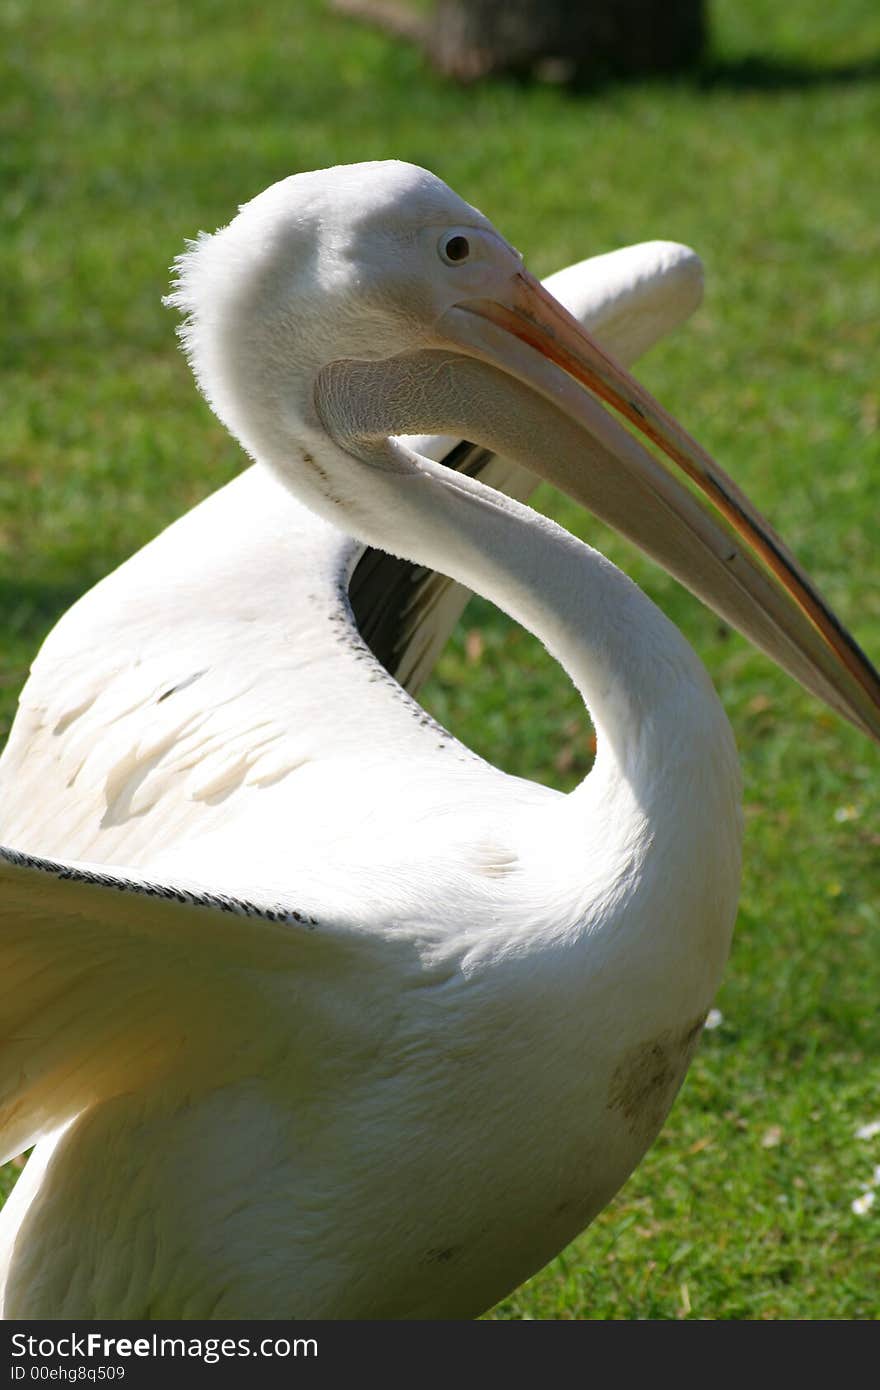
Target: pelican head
{"points": [[350, 306]]}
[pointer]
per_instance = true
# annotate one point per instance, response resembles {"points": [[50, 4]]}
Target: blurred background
{"points": [[748, 130]]}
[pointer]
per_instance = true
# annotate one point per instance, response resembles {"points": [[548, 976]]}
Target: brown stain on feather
{"points": [[442, 1256], [647, 1078]]}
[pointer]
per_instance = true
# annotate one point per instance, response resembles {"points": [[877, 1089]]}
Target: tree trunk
{"points": [[566, 39]]}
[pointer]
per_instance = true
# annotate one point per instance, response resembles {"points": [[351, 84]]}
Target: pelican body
{"points": [[314, 1013]]}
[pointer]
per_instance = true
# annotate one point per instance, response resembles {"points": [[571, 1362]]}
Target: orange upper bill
{"points": [[531, 315]]}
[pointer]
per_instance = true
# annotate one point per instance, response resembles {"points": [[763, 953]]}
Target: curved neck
{"points": [[329, 435], [638, 677]]}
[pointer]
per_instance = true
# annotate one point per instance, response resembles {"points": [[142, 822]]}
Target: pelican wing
{"points": [[252, 640], [110, 981]]}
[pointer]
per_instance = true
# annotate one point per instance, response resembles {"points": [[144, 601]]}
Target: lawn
{"points": [[127, 128]]}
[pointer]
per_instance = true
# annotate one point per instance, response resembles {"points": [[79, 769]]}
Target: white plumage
{"points": [[319, 1014], [236, 608]]}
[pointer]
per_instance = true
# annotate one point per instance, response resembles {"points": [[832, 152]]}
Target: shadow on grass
{"points": [[751, 73], [756, 73]]}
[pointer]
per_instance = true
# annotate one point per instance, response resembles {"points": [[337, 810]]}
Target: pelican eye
{"points": [[455, 249]]}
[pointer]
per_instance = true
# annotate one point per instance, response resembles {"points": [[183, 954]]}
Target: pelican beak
{"points": [[704, 530]]}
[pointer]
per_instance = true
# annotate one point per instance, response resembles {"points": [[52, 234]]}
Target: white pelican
{"points": [[385, 1027]]}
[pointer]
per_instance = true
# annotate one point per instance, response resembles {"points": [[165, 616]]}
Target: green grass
{"points": [[127, 128]]}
